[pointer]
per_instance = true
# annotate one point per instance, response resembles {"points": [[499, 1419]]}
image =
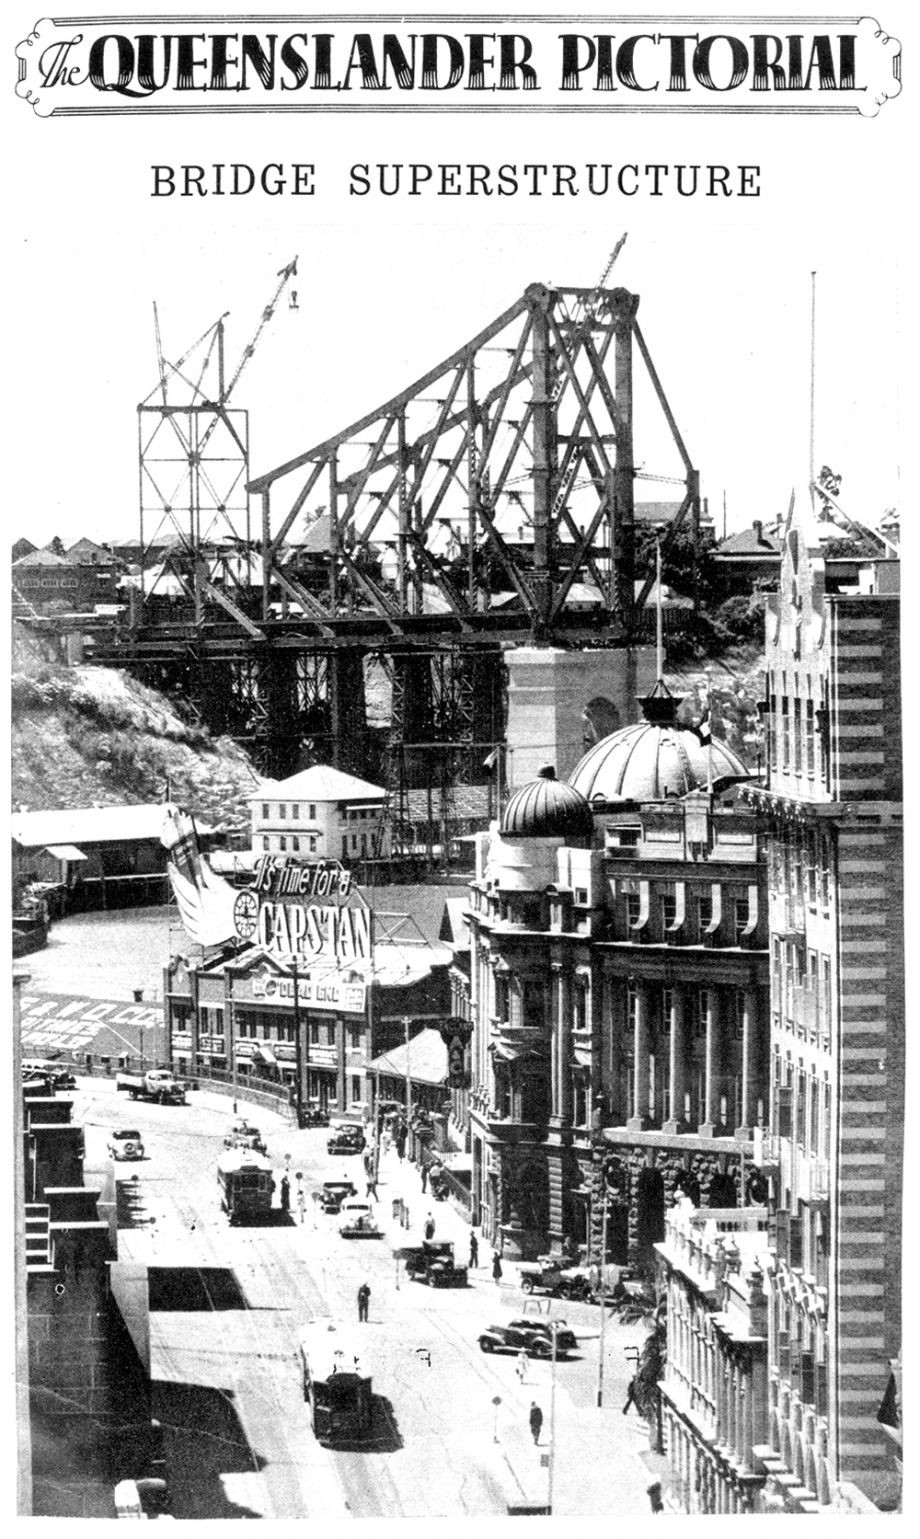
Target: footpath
{"points": [[602, 1462]]}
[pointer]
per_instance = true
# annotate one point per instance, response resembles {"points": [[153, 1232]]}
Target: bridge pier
{"points": [[560, 702]]}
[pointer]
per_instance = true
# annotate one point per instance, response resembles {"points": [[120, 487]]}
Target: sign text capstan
{"points": [[305, 928]]}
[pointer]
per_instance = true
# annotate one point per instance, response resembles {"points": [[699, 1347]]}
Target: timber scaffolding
{"points": [[491, 504]]}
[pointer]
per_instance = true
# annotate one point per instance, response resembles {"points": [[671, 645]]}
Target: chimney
{"points": [[758, 530]]}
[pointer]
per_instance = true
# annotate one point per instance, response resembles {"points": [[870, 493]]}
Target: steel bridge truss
{"points": [[496, 494]]}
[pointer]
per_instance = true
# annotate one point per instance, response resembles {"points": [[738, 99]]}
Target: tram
{"points": [[337, 1384], [246, 1183]]}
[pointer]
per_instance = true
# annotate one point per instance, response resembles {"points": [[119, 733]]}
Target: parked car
{"points": [[333, 1193], [558, 1281], [433, 1262], [511, 1338], [565, 1337], [347, 1139], [314, 1117], [126, 1144]]}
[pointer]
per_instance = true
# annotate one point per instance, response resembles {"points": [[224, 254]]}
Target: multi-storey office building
{"points": [[714, 1390], [619, 994], [832, 806]]}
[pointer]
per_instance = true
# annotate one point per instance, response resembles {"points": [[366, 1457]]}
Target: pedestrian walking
{"points": [[474, 1251], [522, 1367], [364, 1298], [429, 1227], [371, 1185], [401, 1145], [425, 1181], [285, 1194], [536, 1420], [496, 1268], [630, 1396], [654, 1496]]}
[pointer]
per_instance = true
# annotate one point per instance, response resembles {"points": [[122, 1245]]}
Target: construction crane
{"points": [[214, 484]]}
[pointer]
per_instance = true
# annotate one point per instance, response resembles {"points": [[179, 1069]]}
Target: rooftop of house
{"points": [[320, 783]]}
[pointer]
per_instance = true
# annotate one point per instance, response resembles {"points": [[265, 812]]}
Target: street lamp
{"points": [[603, 1290], [496, 1401]]}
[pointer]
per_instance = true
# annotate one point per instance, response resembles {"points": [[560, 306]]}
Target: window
{"points": [[295, 809], [312, 844], [581, 896], [265, 843], [668, 912], [627, 838], [354, 1037], [295, 842], [356, 1087], [784, 732], [742, 917], [704, 911], [282, 843], [632, 909], [282, 811], [797, 735], [810, 737], [312, 812], [265, 812], [314, 1033]]}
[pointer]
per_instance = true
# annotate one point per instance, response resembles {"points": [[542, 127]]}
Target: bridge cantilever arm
{"points": [[398, 402]]}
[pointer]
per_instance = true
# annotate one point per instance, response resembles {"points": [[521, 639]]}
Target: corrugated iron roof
{"points": [[90, 825]]}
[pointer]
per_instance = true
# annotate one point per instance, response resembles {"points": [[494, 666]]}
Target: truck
{"points": [[433, 1262], [152, 1085]]}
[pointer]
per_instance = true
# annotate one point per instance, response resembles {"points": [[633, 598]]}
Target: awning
{"points": [[262, 1051], [65, 852]]}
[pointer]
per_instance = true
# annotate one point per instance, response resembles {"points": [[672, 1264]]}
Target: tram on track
{"points": [[337, 1384], [246, 1181]]}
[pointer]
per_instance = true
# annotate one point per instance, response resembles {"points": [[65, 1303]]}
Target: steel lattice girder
{"points": [[507, 467]]}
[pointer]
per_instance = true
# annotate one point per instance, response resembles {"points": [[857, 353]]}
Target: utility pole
{"points": [[298, 1047], [554, 1326], [603, 1280], [406, 1021]]}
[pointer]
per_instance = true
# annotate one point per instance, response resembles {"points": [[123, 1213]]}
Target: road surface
{"points": [[227, 1308]]}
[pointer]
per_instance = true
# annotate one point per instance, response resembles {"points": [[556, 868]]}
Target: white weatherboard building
{"points": [[320, 812]]}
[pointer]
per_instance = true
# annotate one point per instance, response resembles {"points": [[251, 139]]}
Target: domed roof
{"points": [[547, 808], [653, 758]]}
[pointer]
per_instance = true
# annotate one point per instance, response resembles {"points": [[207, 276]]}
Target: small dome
{"points": [[653, 759], [547, 808]]}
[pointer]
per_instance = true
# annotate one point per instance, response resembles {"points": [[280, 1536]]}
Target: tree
{"points": [[56, 546]]}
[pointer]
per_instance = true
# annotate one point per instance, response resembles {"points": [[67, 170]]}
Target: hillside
{"points": [[86, 736]]}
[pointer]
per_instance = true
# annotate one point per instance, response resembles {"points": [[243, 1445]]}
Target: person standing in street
{"points": [[424, 1179], [496, 1268], [285, 1194], [522, 1367], [536, 1420], [364, 1299], [429, 1227], [474, 1251]]}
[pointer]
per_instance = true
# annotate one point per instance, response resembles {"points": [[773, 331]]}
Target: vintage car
{"points": [[565, 1337], [433, 1262], [332, 1194], [347, 1139], [360, 1226], [512, 1338], [545, 1276], [314, 1117], [126, 1144], [243, 1135]]}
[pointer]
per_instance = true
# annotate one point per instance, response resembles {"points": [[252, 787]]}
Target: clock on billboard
{"points": [[246, 915]]}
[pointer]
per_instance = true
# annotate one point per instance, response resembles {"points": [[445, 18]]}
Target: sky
{"points": [[387, 287]]}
